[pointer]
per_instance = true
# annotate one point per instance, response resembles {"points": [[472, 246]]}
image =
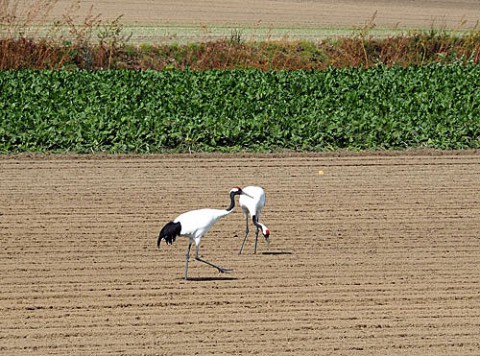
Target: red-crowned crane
{"points": [[253, 201], [195, 224]]}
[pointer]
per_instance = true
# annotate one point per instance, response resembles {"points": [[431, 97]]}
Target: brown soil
{"points": [[377, 256]]}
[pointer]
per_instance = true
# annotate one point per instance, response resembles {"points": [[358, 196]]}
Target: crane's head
{"points": [[236, 191], [239, 191], [265, 232]]}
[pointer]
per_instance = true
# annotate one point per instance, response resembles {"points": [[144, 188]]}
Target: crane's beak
{"points": [[248, 195]]}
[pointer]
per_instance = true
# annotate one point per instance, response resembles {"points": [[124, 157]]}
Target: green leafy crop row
{"points": [[151, 111]]}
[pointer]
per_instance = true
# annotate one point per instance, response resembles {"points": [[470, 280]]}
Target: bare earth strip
{"points": [[377, 256]]}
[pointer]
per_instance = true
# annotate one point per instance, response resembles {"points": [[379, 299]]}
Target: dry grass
{"points": [[28, 40], [87, 41]]}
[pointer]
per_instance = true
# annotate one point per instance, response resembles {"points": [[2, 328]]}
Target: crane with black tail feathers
{"points": [[195, 224], [253, 201]]}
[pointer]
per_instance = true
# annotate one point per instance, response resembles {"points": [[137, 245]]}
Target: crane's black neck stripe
{"points": [[232, 201], [255, 221]]}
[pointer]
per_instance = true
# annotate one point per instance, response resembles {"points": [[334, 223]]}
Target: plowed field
{"points": [[167, 21], [379, 255], [281, 13]]}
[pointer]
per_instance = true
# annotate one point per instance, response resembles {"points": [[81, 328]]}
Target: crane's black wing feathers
{"points": [[169, 232]]}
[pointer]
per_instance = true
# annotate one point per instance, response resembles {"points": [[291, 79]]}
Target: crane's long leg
{"points": [[220, 269], [190, 242], [255, 222], [246, 234], [256, 241]]}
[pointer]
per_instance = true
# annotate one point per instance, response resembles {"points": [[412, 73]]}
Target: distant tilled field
{"points": [[287, 13], [376, 256], [178, 21]]}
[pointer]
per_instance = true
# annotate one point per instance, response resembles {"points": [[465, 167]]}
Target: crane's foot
{"points": [[225, 270], [220, 269]]}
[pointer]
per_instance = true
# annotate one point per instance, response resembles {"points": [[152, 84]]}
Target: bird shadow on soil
{"points": [[210, 279], [277, 253]]}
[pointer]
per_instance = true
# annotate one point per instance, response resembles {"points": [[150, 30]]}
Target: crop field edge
{"points": [[411, 152]]}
